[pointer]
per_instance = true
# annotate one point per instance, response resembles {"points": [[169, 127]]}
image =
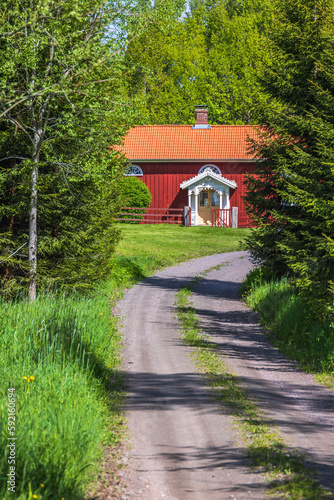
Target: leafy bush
{"points": [[135, 193]]}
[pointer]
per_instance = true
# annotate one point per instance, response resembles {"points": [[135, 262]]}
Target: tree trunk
{"points": [[39, 130], [33, 230]]}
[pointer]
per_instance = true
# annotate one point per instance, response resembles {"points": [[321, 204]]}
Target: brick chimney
{"points": [[202, 112]]}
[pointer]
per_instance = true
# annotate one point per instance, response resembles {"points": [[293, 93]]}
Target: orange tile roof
{"points": [[182, 142]]}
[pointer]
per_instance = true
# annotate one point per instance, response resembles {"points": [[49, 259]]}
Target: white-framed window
{"points": [[210, 168], [204, 198], [133, 170], [214, 199]]}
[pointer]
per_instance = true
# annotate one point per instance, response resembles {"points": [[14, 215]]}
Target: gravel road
{"points": [[181, 444]]}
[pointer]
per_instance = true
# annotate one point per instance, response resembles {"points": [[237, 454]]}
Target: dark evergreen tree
{"points": [[292, 197], [76, 231]]}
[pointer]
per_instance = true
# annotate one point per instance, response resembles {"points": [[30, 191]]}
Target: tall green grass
{"points": [[292, 328], [60, 355]]}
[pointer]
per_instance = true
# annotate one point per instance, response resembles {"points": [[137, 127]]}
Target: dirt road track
{"points": [[182, 445]]}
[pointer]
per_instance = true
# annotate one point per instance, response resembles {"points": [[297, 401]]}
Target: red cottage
{"points": [[201, 166]]}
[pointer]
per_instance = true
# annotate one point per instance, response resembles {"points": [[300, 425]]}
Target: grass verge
{"points": [[60, 354], [287, 474], [289, 325]]}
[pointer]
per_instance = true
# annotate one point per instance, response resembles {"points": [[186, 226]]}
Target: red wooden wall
{"points": [[163, 180]]}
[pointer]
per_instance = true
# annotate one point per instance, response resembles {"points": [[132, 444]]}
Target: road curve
{"points": [[181, 444]]}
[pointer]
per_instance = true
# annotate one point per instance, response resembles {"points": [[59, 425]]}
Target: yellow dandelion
{"points": [[35, 496], [32, 377], [29, 379], [42, 485], [25, 378]]}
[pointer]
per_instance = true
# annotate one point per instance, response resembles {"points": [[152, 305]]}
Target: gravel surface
{"points": [[181, 444]]}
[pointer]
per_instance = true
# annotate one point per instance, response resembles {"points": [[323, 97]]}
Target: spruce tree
{"points": [[292, 197]]}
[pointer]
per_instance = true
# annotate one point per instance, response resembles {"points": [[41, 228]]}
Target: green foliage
{"points": [[63, 106], [135, 193], [61, 356], [76, 230], [292, 194], [235, 50], [209, 55], [263, 243]]}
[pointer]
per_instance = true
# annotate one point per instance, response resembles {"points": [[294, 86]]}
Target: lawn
{"points": [[147, 248]]}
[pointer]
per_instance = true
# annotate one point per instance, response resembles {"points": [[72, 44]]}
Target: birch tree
{"points": [[60, 70]]}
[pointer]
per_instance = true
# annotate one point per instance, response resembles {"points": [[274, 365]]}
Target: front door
{"points": [[208, 199]]}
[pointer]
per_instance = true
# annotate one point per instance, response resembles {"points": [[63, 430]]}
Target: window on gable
{"points": [[133, 170], [210, 168]]}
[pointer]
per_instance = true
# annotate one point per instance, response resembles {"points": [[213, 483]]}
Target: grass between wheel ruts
{"points": [[288, 477]]}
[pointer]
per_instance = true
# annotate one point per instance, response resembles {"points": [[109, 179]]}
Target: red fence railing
{"points": [[221, 217], [151, 215], [245, 221]]}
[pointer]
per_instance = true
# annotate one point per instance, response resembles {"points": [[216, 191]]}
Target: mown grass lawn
{"points": [[147, 248]]}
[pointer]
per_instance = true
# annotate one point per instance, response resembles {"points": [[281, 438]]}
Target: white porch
{"points": [[206, 191]]}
